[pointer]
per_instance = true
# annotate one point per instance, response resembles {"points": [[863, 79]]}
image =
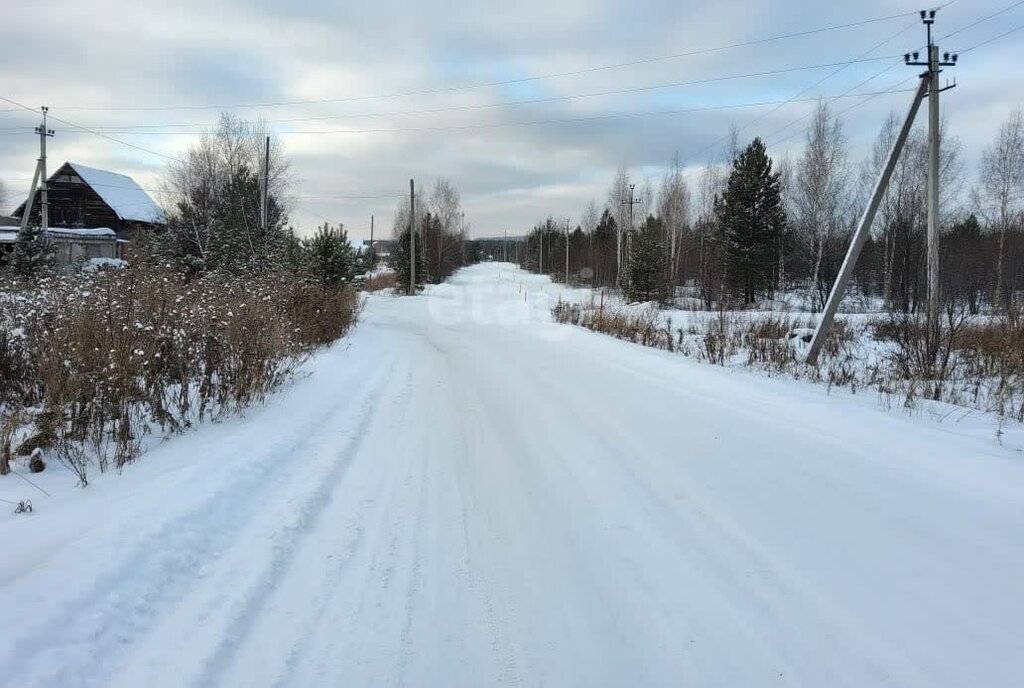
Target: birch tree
{"points": [[902, 215], [213, 195], [1002, 187], [674, 211], [590, 217], [820, 196], [710, 185], [618, 195]]}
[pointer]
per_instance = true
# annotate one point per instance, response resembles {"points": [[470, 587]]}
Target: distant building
{"points": [[92, 213]]}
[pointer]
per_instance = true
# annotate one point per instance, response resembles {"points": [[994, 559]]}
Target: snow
{"points": [[11, 235], [91, 233], [124, 196], [96, 263], [464, 493]]}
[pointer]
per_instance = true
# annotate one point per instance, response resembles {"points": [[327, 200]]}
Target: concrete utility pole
{"points": [[934, 65], [412, 237], [39, 182], [44, 134], [929, 86], [631, 202]]}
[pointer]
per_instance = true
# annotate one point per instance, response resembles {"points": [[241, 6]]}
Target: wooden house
{"points": [[82, 197]]}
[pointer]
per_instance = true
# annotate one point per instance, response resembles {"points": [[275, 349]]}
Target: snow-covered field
{"points": [[464, 493]]}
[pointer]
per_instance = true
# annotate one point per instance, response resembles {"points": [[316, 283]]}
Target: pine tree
{"points": [[329, 256], [295, 256], [647, 263], [33, 252], [400, 262], [751, 219], [237, 239]]}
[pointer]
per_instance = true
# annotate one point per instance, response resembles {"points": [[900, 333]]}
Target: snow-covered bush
{"points": [[92, 362]]}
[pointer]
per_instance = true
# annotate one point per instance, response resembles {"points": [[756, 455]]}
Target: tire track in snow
{"points": [[121, 605], [321, 632], [290, 539]]}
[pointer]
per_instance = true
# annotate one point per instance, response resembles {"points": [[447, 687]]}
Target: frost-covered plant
{"points": [[95, 361]]}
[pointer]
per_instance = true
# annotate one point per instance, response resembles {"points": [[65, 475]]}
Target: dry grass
{"points": [[90, 363], [379, 281], [977, 365]]}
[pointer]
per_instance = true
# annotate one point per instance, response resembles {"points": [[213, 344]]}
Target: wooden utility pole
{"points": [[265, 190], [541, 270], [373, 253], [567, 252], [412, 237]]}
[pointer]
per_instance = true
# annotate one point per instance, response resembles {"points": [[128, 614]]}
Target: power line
{"points": [[982, 20], [497, 125], [815, 85], [92, 131], [338, 197], [796, 97], [532, 101], [994, 38], [505, 82], [848, 91], [873, 96]]}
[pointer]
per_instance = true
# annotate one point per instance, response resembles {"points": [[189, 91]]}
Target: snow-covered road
{"points": [[465, 494]]}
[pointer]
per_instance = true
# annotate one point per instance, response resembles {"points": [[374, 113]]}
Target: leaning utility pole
{"points": [[929, 86], [412, 237]]}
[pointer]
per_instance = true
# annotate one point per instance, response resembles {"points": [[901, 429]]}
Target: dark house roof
{"points": [[83, 196]]}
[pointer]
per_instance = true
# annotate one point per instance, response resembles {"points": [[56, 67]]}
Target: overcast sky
{"points": [[89, 60]]}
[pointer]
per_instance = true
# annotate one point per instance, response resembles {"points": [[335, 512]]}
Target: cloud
{"points": [[513, 164]]}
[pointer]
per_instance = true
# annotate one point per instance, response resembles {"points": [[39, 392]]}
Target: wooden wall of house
{"points": [[73, 203]]}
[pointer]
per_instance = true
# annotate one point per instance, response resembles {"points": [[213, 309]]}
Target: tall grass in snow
{"points": [[978, 364], [91, 363]]}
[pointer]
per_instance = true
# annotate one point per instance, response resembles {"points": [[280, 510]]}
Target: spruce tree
{"points": [[400, 262], [33, 252], [603, 248], [647, 264], [751, 219]]}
